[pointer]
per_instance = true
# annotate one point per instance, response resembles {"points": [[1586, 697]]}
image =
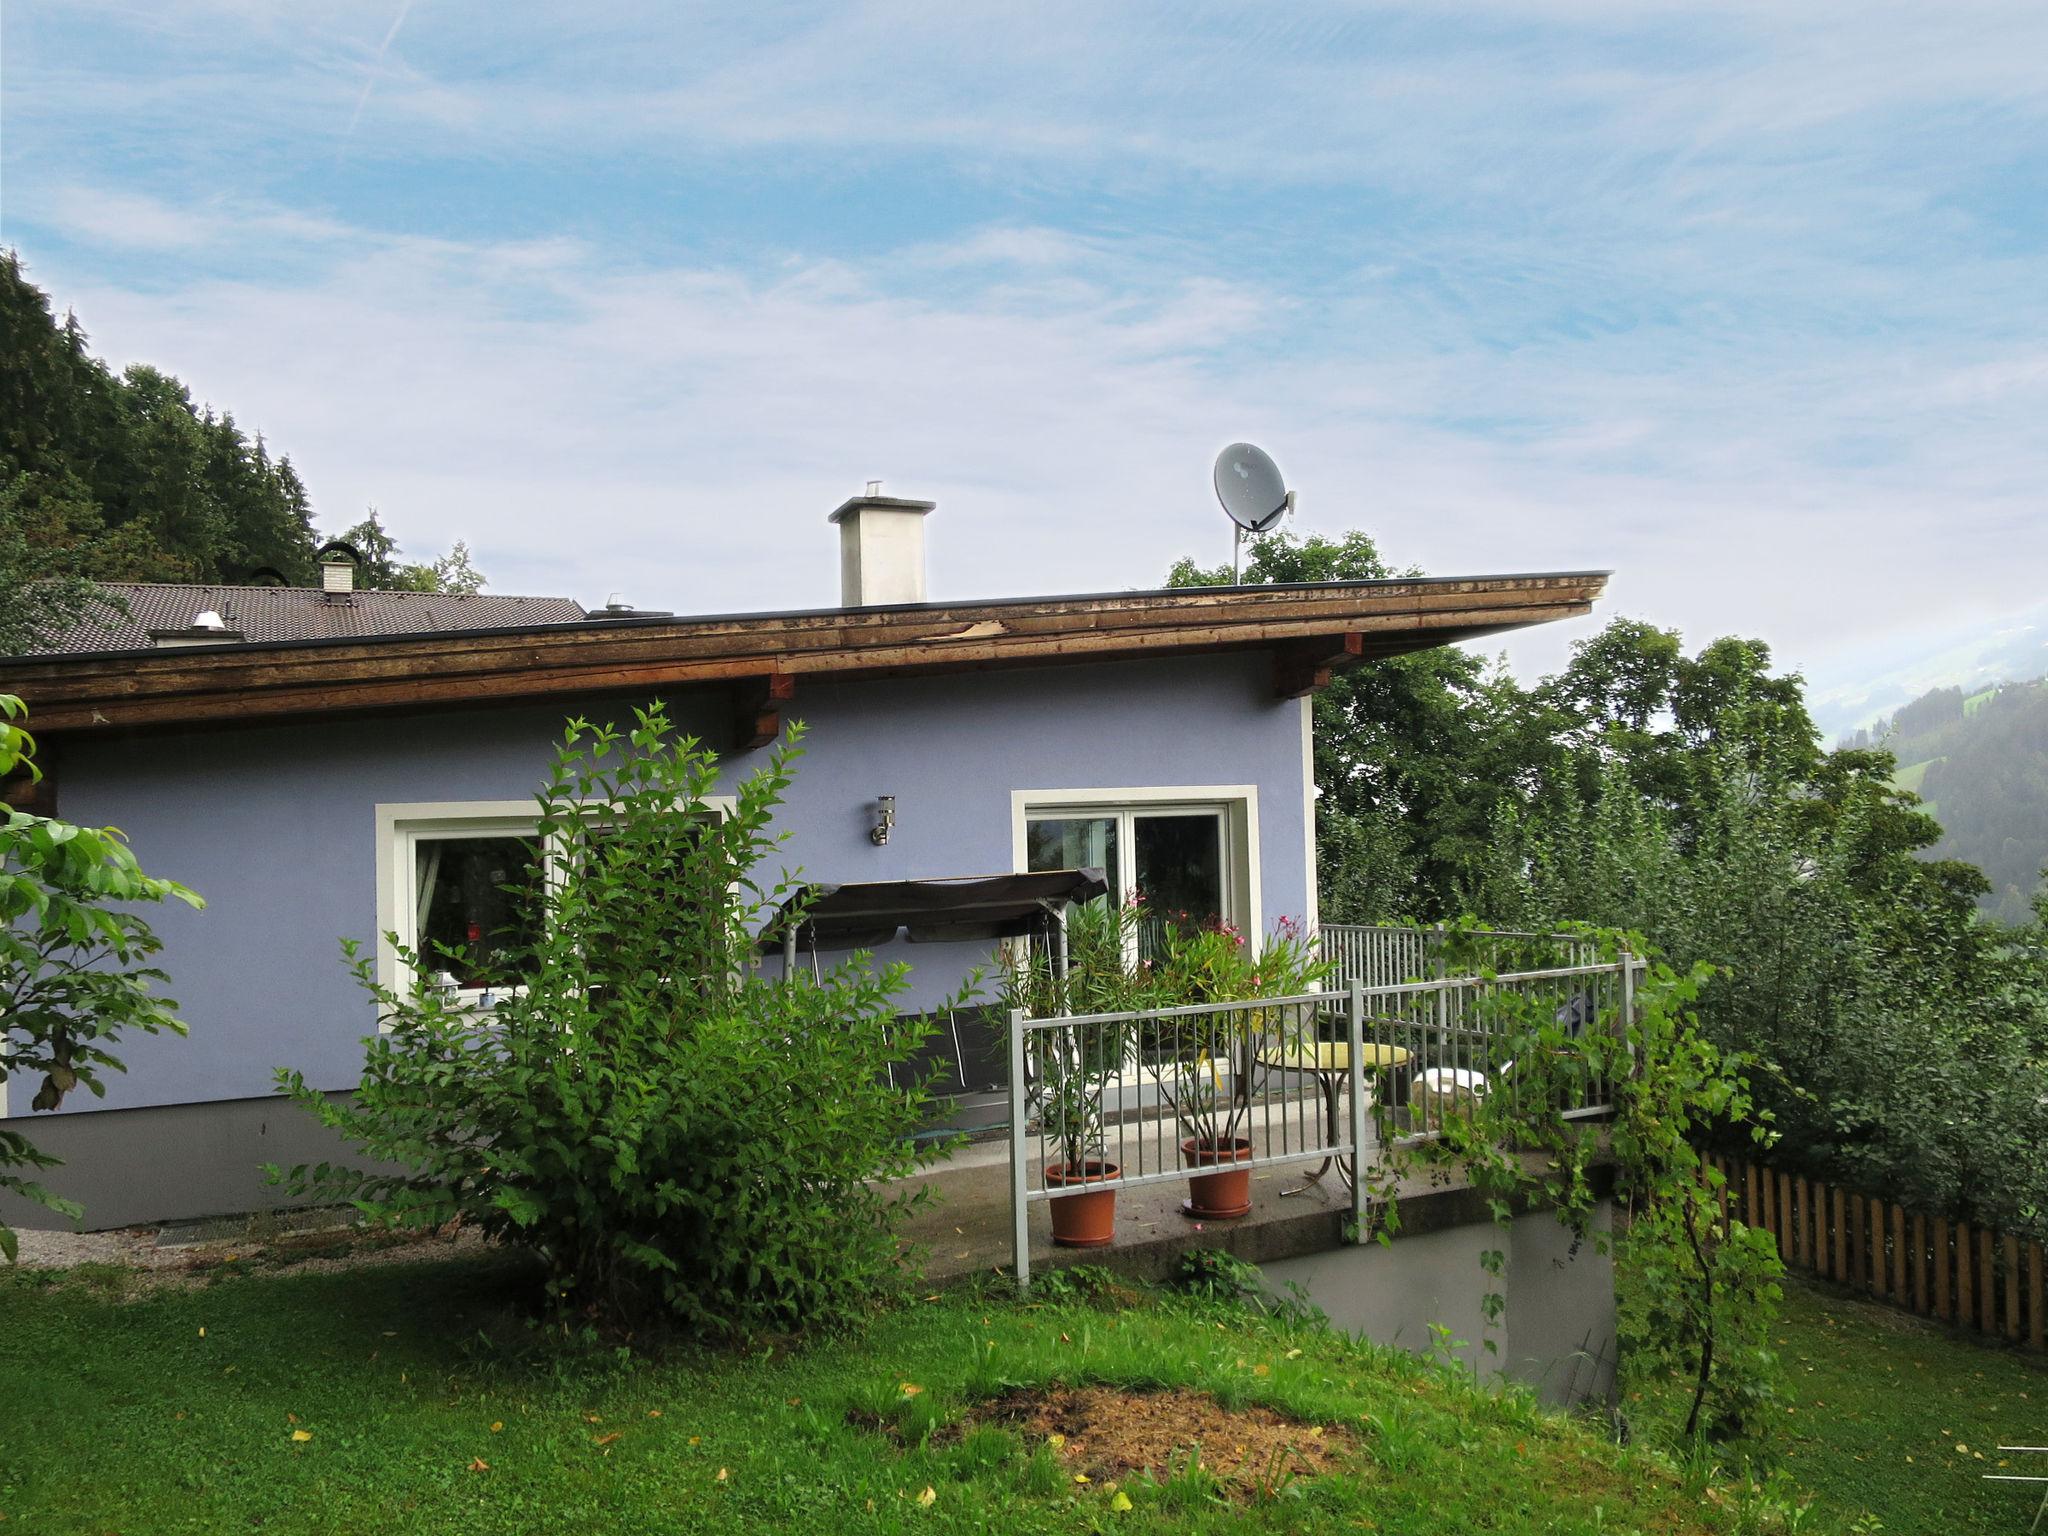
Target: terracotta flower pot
{"points": [[1218, 1196], [1085, 1220]]}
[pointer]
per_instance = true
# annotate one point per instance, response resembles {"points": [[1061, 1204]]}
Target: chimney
{"points": [[881, 549], [337, 576]]}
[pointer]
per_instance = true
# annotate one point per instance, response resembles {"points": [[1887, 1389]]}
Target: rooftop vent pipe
{"points": [[617, 608], [207, 628]]}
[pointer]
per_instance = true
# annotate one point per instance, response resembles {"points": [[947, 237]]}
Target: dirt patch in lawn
{"points": [[1108, 1432]]}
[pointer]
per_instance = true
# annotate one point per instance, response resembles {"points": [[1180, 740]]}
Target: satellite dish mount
{"points": [[1248, 484]]}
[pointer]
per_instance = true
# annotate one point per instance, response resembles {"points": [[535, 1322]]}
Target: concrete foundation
{"points": [[1557, 1333], [173, 1162]]}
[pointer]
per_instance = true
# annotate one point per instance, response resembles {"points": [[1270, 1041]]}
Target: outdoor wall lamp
{"points": [[885, 819]]}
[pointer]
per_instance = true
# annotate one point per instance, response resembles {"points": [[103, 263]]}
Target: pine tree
{"points": [[125, 478]]}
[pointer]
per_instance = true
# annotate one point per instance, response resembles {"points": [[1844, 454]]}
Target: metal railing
{"points": [[1109, 1100], [1444, 1045], [1386, 955]]}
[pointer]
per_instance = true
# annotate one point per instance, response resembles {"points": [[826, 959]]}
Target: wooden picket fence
{"points": [[1971, 1276]]}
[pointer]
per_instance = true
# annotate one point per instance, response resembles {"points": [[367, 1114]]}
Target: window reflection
{"points": [[470, 897]]}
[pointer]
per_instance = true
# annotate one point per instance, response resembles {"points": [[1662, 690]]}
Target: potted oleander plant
{"points": [[1070, 1068], [1191, 1056], [1071, 1074]]}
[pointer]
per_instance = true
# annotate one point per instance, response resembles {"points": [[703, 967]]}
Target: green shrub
{"points": [[673, 1132], [1898, 1039]]}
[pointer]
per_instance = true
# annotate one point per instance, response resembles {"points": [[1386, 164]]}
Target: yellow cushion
{"points": [[1334, 1056]]}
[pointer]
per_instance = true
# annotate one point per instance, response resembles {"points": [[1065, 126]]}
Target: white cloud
{"points": [[678, 433], [127, 221]]}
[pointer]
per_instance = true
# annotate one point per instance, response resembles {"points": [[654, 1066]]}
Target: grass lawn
{"points": [[1890, 1417], [1899, 1417], [406, 1399]]}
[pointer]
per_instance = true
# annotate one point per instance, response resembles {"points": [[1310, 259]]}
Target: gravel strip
{"points": [[156, 1257]]}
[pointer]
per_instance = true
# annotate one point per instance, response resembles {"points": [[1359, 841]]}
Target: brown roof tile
{"points": [[268, 614]]}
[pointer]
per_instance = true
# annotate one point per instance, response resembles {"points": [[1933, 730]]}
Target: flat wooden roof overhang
{"points": [[1311, 628]]}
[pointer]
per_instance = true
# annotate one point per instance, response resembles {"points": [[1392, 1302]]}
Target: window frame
{"points": [[1235, 805], [400, 828]]}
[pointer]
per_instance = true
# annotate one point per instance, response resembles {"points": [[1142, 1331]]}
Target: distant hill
{"points": [[1878, 681], [1979, 757]]}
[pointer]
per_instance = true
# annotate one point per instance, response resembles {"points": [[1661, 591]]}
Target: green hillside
{"points": [[1913, 775], [1979, 761]]}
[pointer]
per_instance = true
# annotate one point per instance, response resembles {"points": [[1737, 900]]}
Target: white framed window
{"points": [[443, 872], [439, 866], [1192, 852]]}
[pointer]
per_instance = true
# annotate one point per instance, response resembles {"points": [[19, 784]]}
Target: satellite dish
{"points": [[1248, 484]]}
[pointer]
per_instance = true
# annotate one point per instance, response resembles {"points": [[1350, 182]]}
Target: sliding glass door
{"points": [[1178, 858]]}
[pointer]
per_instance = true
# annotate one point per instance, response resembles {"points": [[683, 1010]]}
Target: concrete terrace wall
{"points": [[275, 826], [1556, 1334]]}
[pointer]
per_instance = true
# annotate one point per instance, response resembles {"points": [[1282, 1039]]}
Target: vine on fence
{"points": [[1701, 1287]]}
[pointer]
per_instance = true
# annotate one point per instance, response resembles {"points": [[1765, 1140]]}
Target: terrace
{"points": [[1415, 1026]]}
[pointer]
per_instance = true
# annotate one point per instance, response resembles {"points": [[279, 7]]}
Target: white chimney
{"points": [[337, 576], [881, 549]]}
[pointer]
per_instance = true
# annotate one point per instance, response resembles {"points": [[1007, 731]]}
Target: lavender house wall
{"points": [[275, 826]]}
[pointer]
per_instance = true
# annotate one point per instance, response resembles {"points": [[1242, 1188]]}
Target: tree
{"points": [[386, 570], [379, 550], [126, 478], [73, 962], [1897, 1037], [1413, 755], [1631, 695], [48, 545], [452, 573], [127, 473]]}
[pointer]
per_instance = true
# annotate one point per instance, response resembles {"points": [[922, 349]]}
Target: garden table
{"points": [[1329, 1061]]}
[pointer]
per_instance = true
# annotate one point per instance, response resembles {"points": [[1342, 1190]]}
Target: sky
{"points": [[1747, 302]]}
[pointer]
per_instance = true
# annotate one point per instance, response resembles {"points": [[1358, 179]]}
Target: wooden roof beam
{"points": [[757, 717], [1304, 667]]}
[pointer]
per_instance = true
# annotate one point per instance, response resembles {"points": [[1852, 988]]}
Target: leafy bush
{"points": [[73, 956], [673, 1132], [1218, 1275]]}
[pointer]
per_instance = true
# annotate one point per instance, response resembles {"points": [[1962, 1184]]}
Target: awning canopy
{"points": [[869, 913]]}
